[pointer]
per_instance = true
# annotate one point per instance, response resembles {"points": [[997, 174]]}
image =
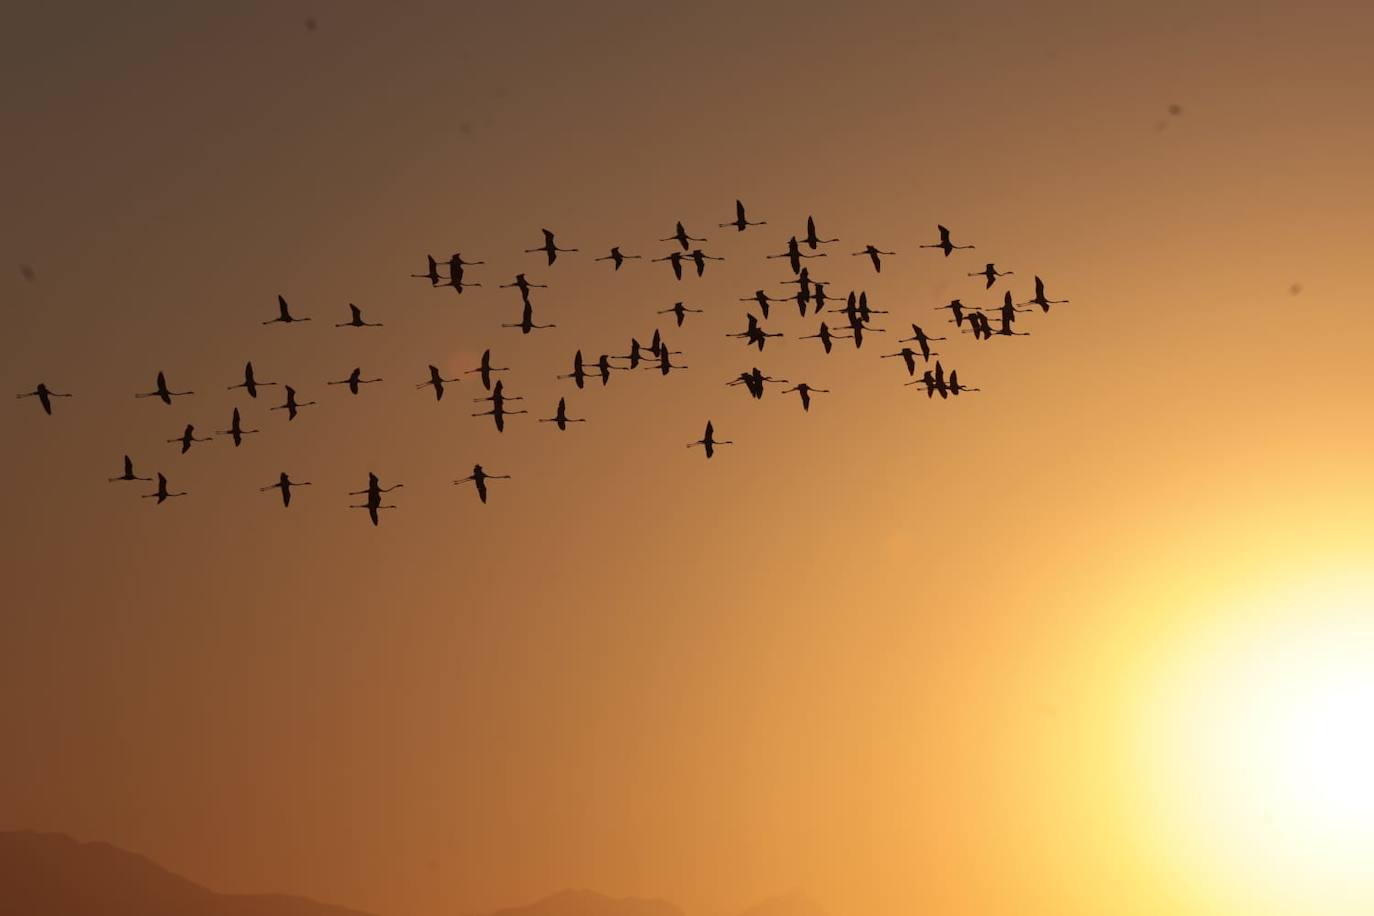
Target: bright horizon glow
{"points": [[1261, 751]]}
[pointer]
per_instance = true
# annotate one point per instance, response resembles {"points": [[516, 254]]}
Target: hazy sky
{"points": [[907, 655]]}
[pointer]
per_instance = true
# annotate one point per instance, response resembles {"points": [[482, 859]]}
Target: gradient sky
{"points": [[903, 654]]}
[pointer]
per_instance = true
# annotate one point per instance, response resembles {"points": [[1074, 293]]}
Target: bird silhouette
{"points": [[818, 294], [187, 437], [806, 391], [619, 258], [374, 493], [455, 273], [480, 478], [955, 387], [681, 237], [549, 247], [291, 405], [604, 368], [357, 320], [636, 353], [524, 286], [1039, 298], [526, 323], [754, 335], [873, 253], [284, 484], [164, 393], [945, 244], [235, 430], [812, 240], [373, 506], [284, 315], [436, 381], [129, 472], [908, 356], [578, 374], [956, 308], [709, 441], [486, 369], [991, 274], [498, 411], [1008, 315], [250, 384], [45, 396], [354, 380], [665, 361], [561, 417], [922, 341], [740, 222], [699, 258], [675, 260], [825, 336], [793, 254], [432, 274], [680, 312], [162, 494], [754, 381]]}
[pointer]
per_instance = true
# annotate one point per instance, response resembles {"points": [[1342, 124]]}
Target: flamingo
{"points": [[162, 495], [922, 340], [740, 222], [806, 391], [524, 286], [709, 441], [794, 255], [811, 239], [432, 274], [991, 274], [291, 405], [549, 247], [699, 258], [824, 336], [1039, 298], [357, 320], [235, 430], [45, 395], [618, 258], [354, 380], [164, 393], [873, 252], [561, 417], [129, 472], [284, 484], [681, 237], [578, 375], [480, 478], [908, 356], [675, 259], [437, 381], [527, 321], [945, 244], [188, 436], [486, 369], [763, 300], [680, 311], [250, 384], [284, 315]]}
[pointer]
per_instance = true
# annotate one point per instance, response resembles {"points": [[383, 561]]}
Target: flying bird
{"points": [[806, 391], [793, 254], [991, 274], [740, 221], [45, 396], [674, 259], [618, 258], [561, 417], [235, 430], [480, 478], [164, 393], [527, 321], [709, 441], [249, 383], [681, 237], [486, 369], [354, 380], [291, 405], [284, 484], [699, 258], [436, 381], [432, 274], [162, 495], [524, 286], [129, 472], [284, 315], [549, 247], [357, 320], [680, 312], [812, 240], [1039, 298], [825, 336], [921, 340], [873, 252], [187, 437], [945, 244]]}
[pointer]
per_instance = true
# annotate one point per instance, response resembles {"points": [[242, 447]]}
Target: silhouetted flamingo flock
{"points": [[810, 294]]}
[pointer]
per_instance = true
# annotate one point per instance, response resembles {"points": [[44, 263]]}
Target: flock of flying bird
{"points": [[810, 297]]}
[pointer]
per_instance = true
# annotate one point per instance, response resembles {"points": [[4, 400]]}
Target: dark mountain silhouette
{"points": [[590, 903], [48, 874]]}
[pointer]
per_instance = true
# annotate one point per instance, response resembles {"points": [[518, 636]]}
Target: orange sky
{"points": [[888, 651]]}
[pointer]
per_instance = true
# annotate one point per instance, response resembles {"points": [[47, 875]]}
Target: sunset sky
{"points": [[1096, 639]]}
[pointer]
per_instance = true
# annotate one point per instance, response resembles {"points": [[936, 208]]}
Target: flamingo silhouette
{"points": [[486, 369], [164, 393], [549, 247], [812, 240], [680, 311], [527, 321], [578, 375], [945, 244], [618, 258], [1039, 298], [284, 315], [45, 396], [129, 472], [740, 222], [763, 300], [187, 437], [357, 320], [480, 478], [873, 252], [699, 258], [235, 430], [437, 382], [250, 384], [291, 405], [674, 259], [991, 274], [524, 286], [806, 391], [794, 255], [162, 495], [922, 341], [825, 336], [908, 356], [681, 237], [561, 417], [354, 380], [432, 274], [284, 484], [709, 441]]}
